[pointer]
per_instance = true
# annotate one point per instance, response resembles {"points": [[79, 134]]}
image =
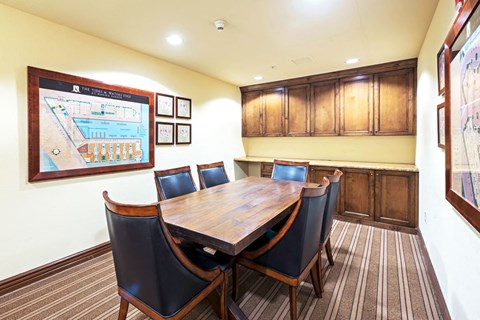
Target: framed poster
{"points": [[165, 104], [164, 133], [462, 109], [184, 108], [441, 125], [79, 126], [184, 133], [441, 70]]}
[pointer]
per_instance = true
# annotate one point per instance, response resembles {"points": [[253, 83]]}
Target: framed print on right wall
{"points": [[441, 125], [441, 70], [462, 109]]}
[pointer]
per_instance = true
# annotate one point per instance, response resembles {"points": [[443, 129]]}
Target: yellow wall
{"points": [[395, 149], [452, 243], [45, 221]]}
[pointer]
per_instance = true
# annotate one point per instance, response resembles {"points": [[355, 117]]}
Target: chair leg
{"points": [[293, 303], [235, 271], [315, 281], [122, 313], [320, 270], [223, 298], [328, 248]]}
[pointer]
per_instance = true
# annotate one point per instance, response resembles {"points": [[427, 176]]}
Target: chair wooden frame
{"points": [[162, 173], [292, 163], [215, 276], [208, 166], [326, 243], [246, 257]]}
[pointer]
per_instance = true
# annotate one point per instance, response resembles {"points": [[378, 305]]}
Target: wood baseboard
{"points": [[376, 224], [433, 279], [42, 272]]}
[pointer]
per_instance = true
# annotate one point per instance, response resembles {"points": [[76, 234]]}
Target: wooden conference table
{"points": [[229, 217]]}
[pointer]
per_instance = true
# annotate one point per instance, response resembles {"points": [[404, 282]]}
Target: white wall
{"points": [[45, 221], [453, 245]]}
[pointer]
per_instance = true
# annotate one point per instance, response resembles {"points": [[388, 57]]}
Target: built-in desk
{"points": [[382, 194]]}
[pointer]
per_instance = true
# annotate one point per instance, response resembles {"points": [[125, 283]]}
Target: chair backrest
{"points": [[144, 254], [331, 205], [299, 245], [212, 174], [290, 170], [175, 182]]}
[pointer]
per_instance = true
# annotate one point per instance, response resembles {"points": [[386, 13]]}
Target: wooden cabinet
{"points": [[273, 108], [358, 187], [297, 121], [385, 196], [356, 105], [394, 111], [324, 104], [266, 169], [396, 199], [263, 113], [252, 114], [376, 100]]}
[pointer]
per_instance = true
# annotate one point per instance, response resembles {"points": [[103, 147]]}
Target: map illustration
{"points": [[87, 127], [466, 130]]}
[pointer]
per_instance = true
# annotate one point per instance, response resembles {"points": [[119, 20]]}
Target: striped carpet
{"points": [[378, 274]]}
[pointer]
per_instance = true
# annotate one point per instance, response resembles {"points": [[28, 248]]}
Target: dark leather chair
{"points": [[175, 182], [290, 170], [153, 273], [212, 174], [292, 253], [330, 209]]}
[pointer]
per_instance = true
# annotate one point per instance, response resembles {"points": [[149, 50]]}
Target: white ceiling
{"points": [[261, 37]]}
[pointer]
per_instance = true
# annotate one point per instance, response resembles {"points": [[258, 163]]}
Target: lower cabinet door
{"points": [[396, 197], [358, 189]]}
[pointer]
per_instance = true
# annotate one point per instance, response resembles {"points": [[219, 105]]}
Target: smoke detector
{"points": [[219, 25]]}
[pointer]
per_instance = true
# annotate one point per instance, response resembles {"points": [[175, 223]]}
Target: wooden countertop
{"points": [[341, 164]]}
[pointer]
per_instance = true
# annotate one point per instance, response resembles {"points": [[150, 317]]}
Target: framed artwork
{"points": [[441, 70], [441, 125], [462, 109], [165, 104], [184, 108], [164, 133], [79, 126], [184, 133]]}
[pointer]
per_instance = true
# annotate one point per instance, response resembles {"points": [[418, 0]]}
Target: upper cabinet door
{"points": [[252, 114], [325, 109], [395, 103], [297, 121], [356, 105], [273, 116]]}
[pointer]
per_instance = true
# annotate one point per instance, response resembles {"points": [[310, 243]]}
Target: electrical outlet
{"points": [[425, 216]]}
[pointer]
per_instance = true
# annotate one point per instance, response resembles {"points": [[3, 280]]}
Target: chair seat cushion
{"points": [[206, 260]]}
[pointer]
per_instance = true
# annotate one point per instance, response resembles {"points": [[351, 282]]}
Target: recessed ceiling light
{"points": [[174, 40], [258, 78], [352, 61]]}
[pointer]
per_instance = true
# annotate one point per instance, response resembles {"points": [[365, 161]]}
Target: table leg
{"points": [[234, 311]]}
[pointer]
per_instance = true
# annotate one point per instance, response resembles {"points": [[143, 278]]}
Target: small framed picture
{"points": [[164, 133], [184, 108], [165, 105], [184, 133], [441, 70], [441, 125]]}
